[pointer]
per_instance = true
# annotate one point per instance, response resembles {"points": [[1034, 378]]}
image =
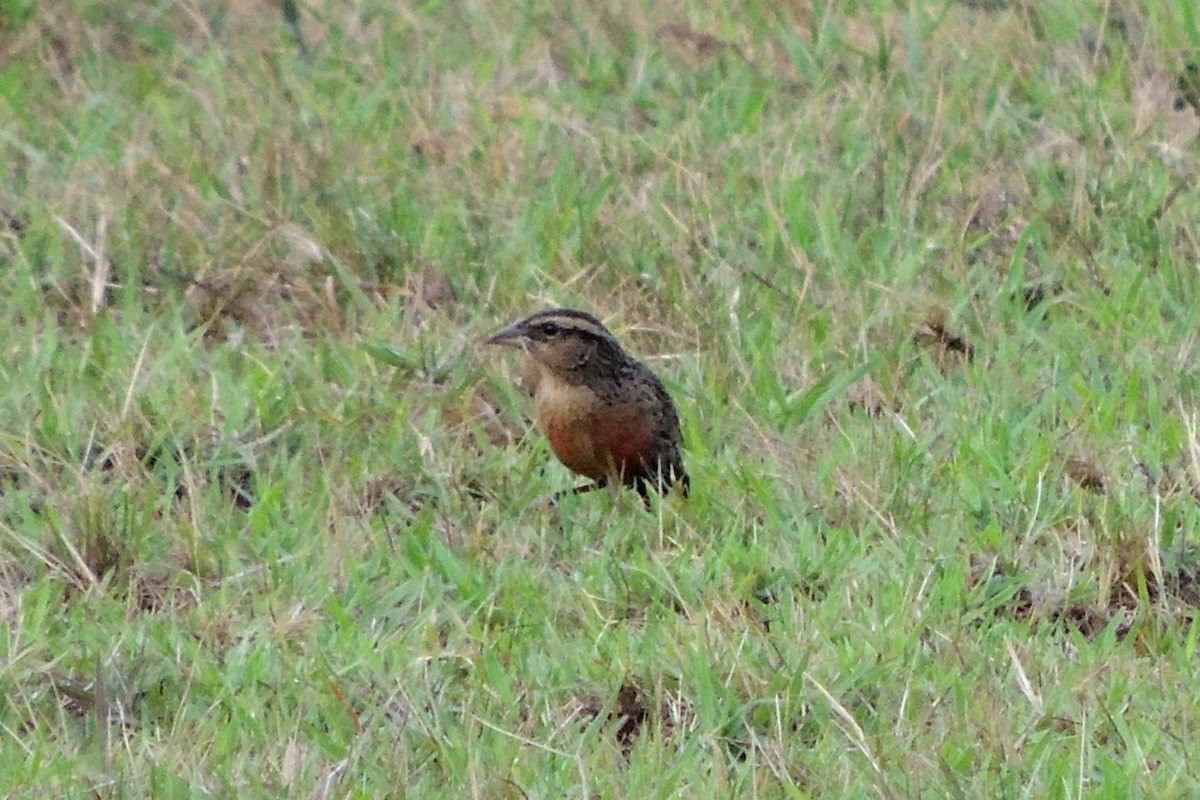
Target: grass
{"points": [[920, 277]]}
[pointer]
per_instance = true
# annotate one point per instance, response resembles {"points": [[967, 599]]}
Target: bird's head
{"points": [[562, 340]]}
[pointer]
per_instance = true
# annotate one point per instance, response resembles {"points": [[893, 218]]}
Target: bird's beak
{"points": [[513, 336]]}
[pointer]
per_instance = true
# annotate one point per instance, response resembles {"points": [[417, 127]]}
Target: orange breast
{"points": [[564, 414], [575, 447], [593, 439], [624, 434]]}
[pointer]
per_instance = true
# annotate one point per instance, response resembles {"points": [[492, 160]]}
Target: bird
{"points": [[606, 416]]}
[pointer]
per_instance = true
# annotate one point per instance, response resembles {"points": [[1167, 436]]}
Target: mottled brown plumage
{"points": [[606, 415]]}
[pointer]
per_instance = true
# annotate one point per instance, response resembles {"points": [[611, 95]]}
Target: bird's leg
{"points": [[552, 501], [643, 489]]}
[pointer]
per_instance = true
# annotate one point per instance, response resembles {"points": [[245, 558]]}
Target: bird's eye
{"points": [[551, 329]]}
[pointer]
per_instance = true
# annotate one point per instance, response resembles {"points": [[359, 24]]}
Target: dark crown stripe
{"points": [[565, 313], [580, 322]]}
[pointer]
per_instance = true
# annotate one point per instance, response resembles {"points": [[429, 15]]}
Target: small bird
{"points": [[606, 415]]}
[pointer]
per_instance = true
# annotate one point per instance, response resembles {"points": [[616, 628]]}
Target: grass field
{"points": [[922, 278]]}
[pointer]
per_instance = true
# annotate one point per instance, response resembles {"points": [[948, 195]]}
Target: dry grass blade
{"points": [[848, 724]]}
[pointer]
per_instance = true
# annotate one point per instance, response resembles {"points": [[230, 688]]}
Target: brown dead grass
{"points": [[633, 714], [949, 350]]}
